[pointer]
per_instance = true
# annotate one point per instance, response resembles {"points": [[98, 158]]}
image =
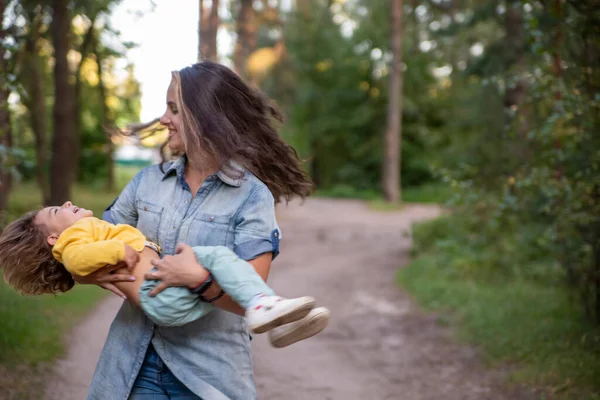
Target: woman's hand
{"points": [[106, 277], [182, 269]]}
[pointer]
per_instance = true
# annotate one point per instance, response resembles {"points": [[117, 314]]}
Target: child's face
{"points": [[57, 219]]}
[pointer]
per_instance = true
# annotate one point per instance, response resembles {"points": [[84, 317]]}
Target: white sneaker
{"points": [[273, 311], [314, 322]]}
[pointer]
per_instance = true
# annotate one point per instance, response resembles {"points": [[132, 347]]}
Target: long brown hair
{"points": [[229, 120]]}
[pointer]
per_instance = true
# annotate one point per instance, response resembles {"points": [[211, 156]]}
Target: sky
{"points": [[167, 40]]}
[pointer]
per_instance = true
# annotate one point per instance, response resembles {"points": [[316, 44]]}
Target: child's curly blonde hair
{"points": [[26, 259]]}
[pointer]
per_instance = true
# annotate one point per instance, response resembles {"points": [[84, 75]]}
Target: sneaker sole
{"points": [[312, 326], [292, 315]]}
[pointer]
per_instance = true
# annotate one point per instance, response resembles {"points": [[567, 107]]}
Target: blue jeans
{"points": [[156, 382]]}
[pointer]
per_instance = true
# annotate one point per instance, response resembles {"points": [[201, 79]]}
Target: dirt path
{"points": [[378, 346], [73, 373]]}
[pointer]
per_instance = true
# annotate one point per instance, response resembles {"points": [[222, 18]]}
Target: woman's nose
{"points": [[165, 120], [67, 204]]}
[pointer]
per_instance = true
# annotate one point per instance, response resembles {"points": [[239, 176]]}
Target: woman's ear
{"points": [[52, 239]]}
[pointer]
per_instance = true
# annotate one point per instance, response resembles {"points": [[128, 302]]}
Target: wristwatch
{"points": [[201, 288]]}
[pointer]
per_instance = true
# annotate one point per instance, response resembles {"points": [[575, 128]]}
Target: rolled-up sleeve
{"points": [[256, 230]]}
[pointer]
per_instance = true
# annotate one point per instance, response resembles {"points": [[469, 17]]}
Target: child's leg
{"points": [[237, 278]]}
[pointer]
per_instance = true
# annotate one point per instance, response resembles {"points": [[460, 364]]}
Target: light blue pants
{"points": [[177, 306]]}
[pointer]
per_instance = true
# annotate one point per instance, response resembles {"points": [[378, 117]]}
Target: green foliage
{"points": [[29, 36], [336, 97], [537, 328], [123, 106], [535, 181]]}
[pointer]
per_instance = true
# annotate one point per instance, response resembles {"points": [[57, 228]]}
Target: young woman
{"points": [[220, 192]]}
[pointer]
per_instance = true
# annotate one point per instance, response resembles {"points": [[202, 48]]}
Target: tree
{"points": [[246, 36], [208, 27], [5, 120], [393, 134], [61, 169], [84, 49], [515, 50], [33, 96]]}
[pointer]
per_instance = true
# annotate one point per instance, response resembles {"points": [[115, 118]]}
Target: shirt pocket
{"points": [[149, 219], [210, 229]]}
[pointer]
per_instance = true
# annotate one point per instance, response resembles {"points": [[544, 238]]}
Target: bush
{"points": [[517, 314]]}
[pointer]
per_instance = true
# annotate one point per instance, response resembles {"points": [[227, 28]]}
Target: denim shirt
{"points": [[211, 356]]}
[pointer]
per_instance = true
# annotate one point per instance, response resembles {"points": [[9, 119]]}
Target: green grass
{"points": [[33, 328], [429, 193], [537, 330], [434, 193]]}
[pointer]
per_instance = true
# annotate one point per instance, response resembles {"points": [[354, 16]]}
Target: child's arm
{"points": [[82, 256], [89, 245]]}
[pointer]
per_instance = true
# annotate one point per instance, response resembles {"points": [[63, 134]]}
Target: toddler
{"points": [[40, 251]]}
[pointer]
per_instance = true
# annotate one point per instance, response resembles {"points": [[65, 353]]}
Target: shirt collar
{"points": [[231, 167]]}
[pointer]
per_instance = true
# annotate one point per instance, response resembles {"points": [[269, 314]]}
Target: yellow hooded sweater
{"points": [[91, 244]]}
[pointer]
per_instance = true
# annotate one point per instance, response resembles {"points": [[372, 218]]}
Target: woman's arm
{"points": [[108, 277], [256, 240]]}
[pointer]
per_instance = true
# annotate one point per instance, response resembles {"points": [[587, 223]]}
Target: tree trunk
{"points": [[515, 48], [209, 26], [77, 134], [246, 36], [393, 135], [557, 70], [5, 127], [6, 141], [107, 120], [37, 112], [61, 169], [416, 28], [201, 25]]}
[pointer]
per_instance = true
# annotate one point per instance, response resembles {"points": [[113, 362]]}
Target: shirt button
{"points": [[212, 218]]}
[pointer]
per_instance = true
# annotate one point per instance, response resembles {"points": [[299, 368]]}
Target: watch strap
{"points": [[217, 297], [201, 288]]}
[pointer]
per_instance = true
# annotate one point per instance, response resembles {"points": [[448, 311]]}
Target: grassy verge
{"points": [[533, 327], [32, 336], [33, 328], [433, 193]]}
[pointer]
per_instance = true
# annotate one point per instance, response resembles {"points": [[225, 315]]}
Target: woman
{"points": [[222, 191]]}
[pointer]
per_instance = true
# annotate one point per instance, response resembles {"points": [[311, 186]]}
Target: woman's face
{"points": [[173, 121]]}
